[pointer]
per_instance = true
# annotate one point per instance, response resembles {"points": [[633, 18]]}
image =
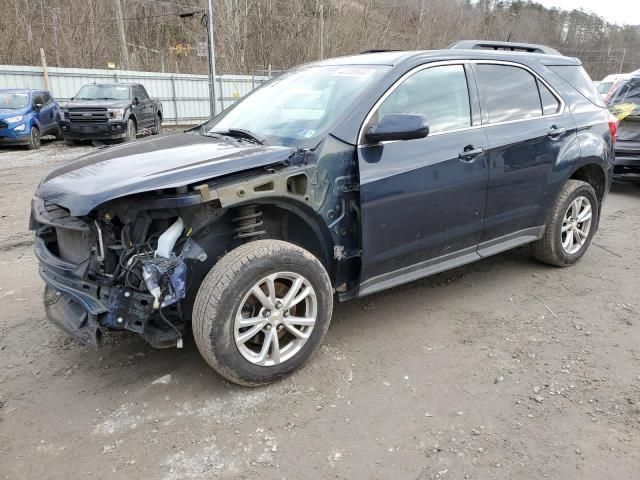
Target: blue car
{"points": [[27, 115]]}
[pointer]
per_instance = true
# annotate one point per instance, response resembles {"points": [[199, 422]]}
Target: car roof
{"points": [[395, 57], [112, 84], [20, 90], [615, 76]]}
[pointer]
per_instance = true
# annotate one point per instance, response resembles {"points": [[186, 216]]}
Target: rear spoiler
{"points": [[507, 46]]}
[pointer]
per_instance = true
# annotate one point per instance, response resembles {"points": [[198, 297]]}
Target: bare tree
{"points": [[255, 34]]}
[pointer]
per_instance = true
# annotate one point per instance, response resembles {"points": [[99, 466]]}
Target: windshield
{"points": [[298, 107], [103, 92], [14, 101]]}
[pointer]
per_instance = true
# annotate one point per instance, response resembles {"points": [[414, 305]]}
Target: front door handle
{"points": [[555, 132], [470, 153]]}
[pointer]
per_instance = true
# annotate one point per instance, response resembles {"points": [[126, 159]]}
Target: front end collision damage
{"points": [[148, 252]]}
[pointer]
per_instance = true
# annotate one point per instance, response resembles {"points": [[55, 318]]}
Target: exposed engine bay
{"points": [[135, 263]]}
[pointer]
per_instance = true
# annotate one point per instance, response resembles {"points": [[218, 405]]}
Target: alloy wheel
{"points": [[275, 318], [576, 225], [35, 137]]}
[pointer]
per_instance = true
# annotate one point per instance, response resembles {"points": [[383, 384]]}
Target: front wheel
{"points": [[262, 311], [58, 134], [34, 141], [572, 222], [132, 131]]}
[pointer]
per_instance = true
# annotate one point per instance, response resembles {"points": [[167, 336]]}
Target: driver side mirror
{"points": [[398, 126], [136, 100], [37, 104]]}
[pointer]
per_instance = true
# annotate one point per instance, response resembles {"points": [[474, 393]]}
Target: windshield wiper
{"points": [[241, 133]]}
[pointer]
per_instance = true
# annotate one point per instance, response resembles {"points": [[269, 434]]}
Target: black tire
{"points": [[34, 139], [221, 294], [549, 248], [58, 134], [157, 126], [132, 131]]}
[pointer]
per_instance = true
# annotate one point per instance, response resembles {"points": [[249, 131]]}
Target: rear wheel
{"points": [[262, 311], [34, 139], [571, 225], [157, 126]]}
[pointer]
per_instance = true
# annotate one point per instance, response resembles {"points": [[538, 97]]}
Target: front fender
{"points": [[129, 115], [30, 121]]}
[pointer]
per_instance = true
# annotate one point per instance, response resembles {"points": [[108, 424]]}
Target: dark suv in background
{"points": [[348, 176], [624, 103], [109, 112]]}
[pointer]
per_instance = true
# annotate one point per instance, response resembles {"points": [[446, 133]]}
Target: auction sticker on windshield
{"points": [[353, 72]]}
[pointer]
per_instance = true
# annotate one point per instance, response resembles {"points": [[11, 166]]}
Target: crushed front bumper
{"points": [[85, 309], [71, 303]]}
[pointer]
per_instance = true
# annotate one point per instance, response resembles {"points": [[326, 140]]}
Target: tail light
{"points": [[613, 127]]}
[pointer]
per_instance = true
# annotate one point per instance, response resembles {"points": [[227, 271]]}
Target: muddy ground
{"points": [[502, 369]]}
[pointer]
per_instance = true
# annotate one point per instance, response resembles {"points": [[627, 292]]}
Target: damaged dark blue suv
{"points": [[346, 176]]}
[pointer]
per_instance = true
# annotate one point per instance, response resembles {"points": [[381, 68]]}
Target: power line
{"points": [[115, 20]]}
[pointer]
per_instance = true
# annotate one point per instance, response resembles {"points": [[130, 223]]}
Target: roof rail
{"points": [[496, 45], [378, 50]]}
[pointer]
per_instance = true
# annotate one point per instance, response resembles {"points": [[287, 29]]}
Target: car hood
{"points": [[9, 112], [97, 103], [160, 162]]}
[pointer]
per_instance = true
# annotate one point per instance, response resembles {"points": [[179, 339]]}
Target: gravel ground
{"points": [[501, 369]]}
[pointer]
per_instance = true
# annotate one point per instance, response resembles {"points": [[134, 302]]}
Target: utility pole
{"points": [[321, 28], [624, 53], [45, 70], [123, 37], [212, 59]]}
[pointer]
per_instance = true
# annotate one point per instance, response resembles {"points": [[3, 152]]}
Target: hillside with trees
{"points": [[252, 35]]}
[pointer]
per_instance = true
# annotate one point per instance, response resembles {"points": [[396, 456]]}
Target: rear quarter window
{"points": [[578, 78]]}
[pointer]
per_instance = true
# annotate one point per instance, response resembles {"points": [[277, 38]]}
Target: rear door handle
{"points": [[470, 153], [555, 132]]}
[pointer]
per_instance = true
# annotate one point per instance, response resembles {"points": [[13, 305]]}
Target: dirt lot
{"points": [[503, 369]]}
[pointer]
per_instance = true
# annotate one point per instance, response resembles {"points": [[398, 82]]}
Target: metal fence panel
{"points": [[185, 97]]}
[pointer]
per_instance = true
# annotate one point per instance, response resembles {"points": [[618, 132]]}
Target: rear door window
{"points": [[439, 93], [508, 93]]}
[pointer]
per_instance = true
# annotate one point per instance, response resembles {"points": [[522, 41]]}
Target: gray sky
{"points": [[614, 11]]}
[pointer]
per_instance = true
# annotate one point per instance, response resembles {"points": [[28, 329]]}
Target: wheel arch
{"points": [[594, 175], [132, 116], [297, 223], [34, 123]]}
